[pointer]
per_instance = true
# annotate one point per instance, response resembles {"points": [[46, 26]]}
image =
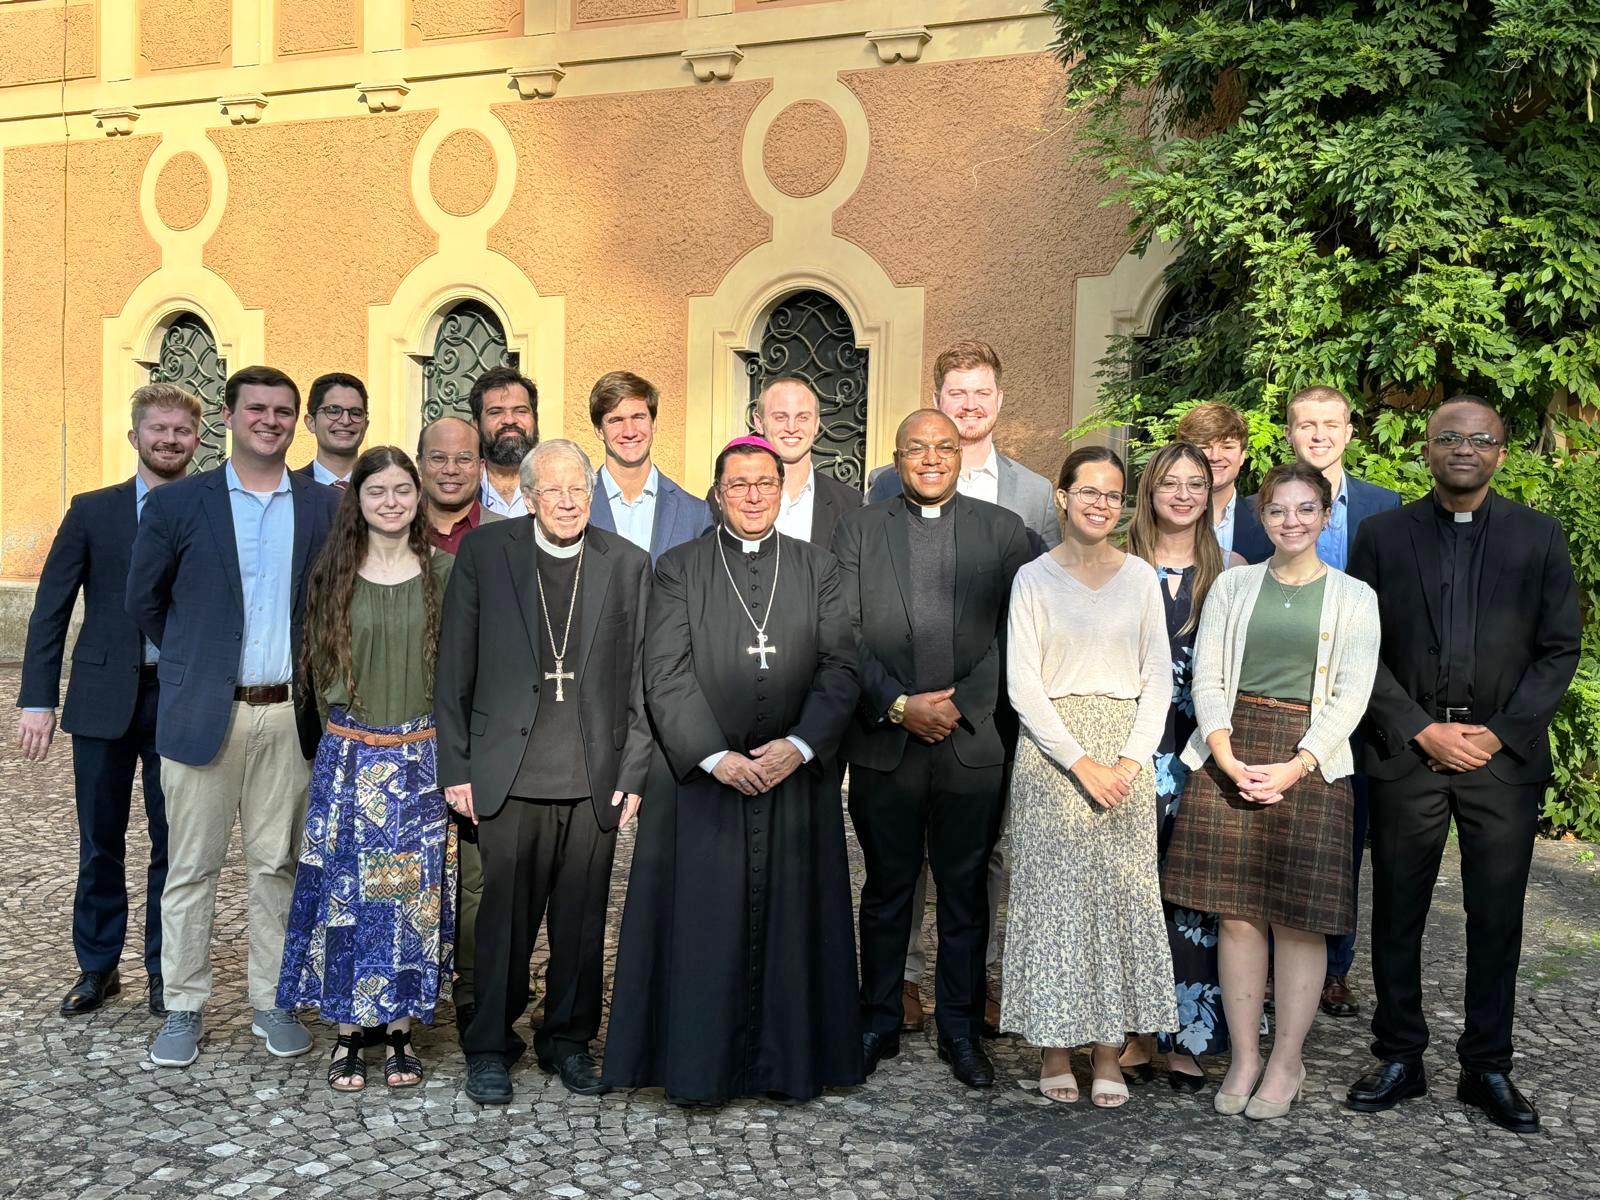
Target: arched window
{"points": [[809, 334], [470, 341], [188, 358]]}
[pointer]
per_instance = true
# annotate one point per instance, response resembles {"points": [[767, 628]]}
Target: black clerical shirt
{"points": [[1460, 571], [933, 597], [553, 767]]}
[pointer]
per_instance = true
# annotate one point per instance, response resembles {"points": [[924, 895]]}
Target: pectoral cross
{"points": [[558, 675], [761, 648]]}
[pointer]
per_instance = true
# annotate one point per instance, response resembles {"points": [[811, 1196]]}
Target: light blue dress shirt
{"points": [[636, 521], [491, 499], [141, 489], [1333, 543], [263, 531], [1224, 524]]}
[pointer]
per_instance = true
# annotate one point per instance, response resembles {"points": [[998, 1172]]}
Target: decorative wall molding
{"points": [[540, 82], [243, 110], [117, 122], [714, 62], [899, 45], [383, 95]]}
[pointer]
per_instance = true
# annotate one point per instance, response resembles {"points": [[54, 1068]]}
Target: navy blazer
{"points": [[1250, 540], [90, 554], [679, 516], [185, 592]]}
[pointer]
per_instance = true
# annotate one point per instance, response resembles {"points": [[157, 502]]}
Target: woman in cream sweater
{"points": [[1283, 666]]}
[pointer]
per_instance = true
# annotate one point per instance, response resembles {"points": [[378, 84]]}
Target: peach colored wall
{"points": [[183, 191], [976, 190], [804, 148], [441, 20], [598, 12], [30, 43], [462, 172], [320, 224], [175, 34], [628, 205], [317, 26], [111, 253]]}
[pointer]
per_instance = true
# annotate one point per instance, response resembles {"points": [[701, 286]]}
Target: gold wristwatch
{"points": [[897, 711]]}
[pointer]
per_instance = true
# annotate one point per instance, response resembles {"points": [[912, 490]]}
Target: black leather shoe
{"points": [[1381, 1090], [578, 1073], [92, 990], [157, 998], [488, 1081], [1180, 1081], [1494, 1092], [967, 1061], [875, 1047]]}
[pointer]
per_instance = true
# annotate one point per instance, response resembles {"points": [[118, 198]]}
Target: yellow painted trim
{"points": [[1123, 303]]}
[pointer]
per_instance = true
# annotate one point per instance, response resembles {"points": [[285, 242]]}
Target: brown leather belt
{"points": [[1271, 702], [262, 693], [369, 738]]}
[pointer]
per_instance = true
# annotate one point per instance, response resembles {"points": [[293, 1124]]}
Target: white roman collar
{"points": [[747, 545], [550, 548], [931, 511]]}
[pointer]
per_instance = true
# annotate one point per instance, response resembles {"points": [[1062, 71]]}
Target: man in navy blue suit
{"points": [[111, 696], [1319, 430], [218, 584], [631, 495]]}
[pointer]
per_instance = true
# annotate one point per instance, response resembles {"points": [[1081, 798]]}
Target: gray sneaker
{"points": [[286, 1037], [178, 1043]]}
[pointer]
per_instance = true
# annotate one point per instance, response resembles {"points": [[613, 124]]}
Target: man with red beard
{"points": [[111, 697]]}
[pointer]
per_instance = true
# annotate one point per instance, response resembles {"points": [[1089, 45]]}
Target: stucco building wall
{"points": [[624, 183]]}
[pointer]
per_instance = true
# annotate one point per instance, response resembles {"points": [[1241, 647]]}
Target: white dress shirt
{"points": [[982, 482], [794, 516]]}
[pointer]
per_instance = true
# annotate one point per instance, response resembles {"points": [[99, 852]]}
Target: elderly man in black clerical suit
{"points": [[927, 576], [1480, 640], [739, 978], [544, 743]]}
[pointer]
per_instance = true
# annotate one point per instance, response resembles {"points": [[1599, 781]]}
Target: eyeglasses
{"points": [[338, 412], [739, 489], [1172, 487], [1277, 514], [1450, 439], [439, 460], [941, 449], [554, 495], [1089, 497]]}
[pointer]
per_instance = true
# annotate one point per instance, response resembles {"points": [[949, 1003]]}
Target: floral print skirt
{"points": [[1086, 956], [372, 925], [1192, 938]]}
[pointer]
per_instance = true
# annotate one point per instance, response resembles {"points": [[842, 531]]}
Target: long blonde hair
{"points": [[1143, 533]]}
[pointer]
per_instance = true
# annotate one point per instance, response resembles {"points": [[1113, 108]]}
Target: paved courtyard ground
{"points": [[83, 1115]]}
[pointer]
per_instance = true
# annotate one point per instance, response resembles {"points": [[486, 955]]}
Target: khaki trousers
{"points": [[258, 779]]}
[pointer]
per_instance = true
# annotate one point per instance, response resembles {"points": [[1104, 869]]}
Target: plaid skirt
{"points": [[1287, 863]]}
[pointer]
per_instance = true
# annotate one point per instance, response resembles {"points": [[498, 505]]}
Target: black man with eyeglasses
{"points": [[1480, 641]]}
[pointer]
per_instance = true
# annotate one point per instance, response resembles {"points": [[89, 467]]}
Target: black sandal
{"points": [[349, 1068], [402, 1061]]}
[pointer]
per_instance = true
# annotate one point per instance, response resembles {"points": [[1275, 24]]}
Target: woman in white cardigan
{"points": [[1283, 666]]}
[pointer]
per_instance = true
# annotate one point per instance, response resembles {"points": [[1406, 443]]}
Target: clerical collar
{"points": [[1461, 518], [931, 512], [553, 550], [748, 546]]}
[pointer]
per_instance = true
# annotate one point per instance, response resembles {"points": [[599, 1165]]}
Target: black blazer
{"points": [[90, 554], [185, 592], [491, 665], [830, 500], [1526, 644], [992, 544]]}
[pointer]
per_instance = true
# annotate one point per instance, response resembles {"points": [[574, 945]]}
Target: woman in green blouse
{"points": [[372, 925]]}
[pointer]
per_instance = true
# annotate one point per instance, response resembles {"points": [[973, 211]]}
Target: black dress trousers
{"points": [[538, 856], [931, 798], [1495, 824], [103, 771]]}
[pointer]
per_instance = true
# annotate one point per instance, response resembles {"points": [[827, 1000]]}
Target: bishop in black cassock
{"points": [[736, 969]]}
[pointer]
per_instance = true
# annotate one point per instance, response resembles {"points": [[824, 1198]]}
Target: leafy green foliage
{"points": [[1399, 198]]}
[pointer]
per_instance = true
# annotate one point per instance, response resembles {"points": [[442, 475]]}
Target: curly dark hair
{"points": [[325, 656]]}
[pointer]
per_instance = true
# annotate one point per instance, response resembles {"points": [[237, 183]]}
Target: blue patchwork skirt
{"points": [[371, 934]]}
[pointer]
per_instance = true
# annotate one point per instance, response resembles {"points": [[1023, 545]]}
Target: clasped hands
{"points": [[931, 716], [1264, 784], [763, 769], [1108, 786], [1453, 747]]}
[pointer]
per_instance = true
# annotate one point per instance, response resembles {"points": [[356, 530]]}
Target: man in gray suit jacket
{"points": [[966, 388], [631, 495]]}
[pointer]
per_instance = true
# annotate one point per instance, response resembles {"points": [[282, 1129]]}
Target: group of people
{"points": [[431, 691]]}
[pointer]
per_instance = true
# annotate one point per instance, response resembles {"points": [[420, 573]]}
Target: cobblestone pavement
{"points": [[83, 1113]]}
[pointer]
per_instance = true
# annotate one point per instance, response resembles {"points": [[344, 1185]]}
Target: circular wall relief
{"points": [[183, 191], [462, 172], [804, 148]]}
